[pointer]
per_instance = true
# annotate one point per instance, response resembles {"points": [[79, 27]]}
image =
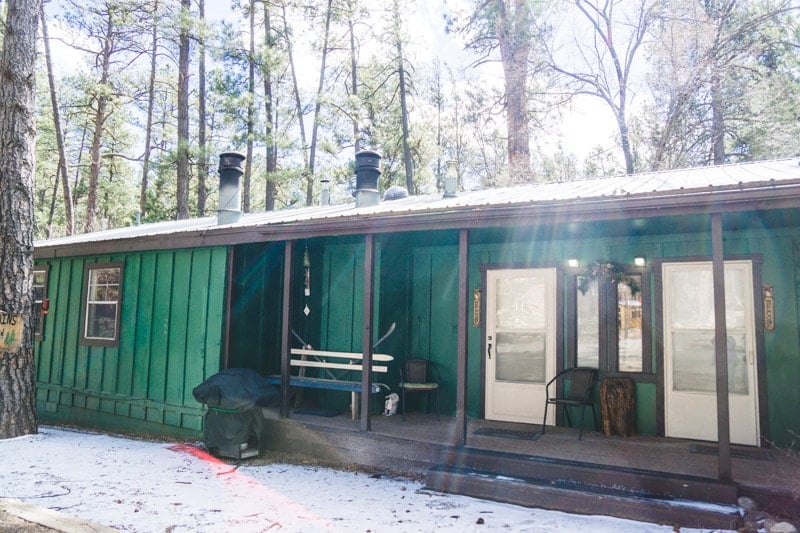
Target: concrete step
{"points": [[647, 483], [581, 498]]}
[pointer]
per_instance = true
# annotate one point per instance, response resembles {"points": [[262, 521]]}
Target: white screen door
{"points": [[520, 342], [689, 357]]}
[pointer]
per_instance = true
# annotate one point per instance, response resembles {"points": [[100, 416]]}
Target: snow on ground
{"points": [[143, 486]]}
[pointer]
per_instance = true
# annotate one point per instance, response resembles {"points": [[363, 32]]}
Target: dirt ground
{"points": [[12, 524]]}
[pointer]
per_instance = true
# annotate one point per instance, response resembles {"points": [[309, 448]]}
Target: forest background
{"points": [[136, 99]]}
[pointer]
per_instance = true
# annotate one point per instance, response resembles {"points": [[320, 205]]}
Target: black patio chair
{"points": [[581, 381], [414, 377]]}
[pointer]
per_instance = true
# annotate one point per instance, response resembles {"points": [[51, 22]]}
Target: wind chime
{"points": [[306, 279]]}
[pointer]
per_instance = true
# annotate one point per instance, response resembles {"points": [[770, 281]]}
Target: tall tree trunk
{"points": [[407, 161], [62, 158], [717, 123], [514, 41], [317, 107], [271, 145], [297, 103], [100, 116], [148, 130], [183, 113], [17, 136], [251, 109], [354, 79], [202, 166]]}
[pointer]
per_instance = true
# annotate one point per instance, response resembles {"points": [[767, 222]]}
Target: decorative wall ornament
{"points": [[306, 274], [476, 307], [769, 308], [607, 270]]}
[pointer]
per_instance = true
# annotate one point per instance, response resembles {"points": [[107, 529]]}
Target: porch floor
{"points": [[762, 473]]}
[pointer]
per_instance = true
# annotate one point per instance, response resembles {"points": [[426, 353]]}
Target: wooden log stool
{"points": [[618, 406]]}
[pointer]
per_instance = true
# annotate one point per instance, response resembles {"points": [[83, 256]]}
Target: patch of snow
{"points": [[142, 486]]}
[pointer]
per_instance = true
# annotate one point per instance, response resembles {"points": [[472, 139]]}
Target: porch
{"points": [[642, 477]]}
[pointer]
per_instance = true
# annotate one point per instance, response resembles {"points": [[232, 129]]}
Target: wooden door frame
{"points": [[758, 316], [559, 325]]}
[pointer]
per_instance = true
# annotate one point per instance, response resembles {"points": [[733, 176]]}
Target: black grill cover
{"points": [[237, 389]]}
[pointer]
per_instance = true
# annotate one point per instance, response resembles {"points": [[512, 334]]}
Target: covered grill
{"points": [[234, 424]]}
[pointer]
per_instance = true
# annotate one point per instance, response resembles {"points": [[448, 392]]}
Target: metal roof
{"points": [[645, 194]]}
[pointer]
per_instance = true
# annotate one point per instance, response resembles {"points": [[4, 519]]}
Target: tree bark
{"points": [[17, 137], [354, 77], [317, 107], [514, 41], [271, 145], [717, 123], [183, 113], [298, 105], [62, 158], [251, 110], [100, 116], [408, 163], [202, 165], [148, 130]]}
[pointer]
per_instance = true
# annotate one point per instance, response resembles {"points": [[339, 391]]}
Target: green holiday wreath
{"points": [[609, 271]]}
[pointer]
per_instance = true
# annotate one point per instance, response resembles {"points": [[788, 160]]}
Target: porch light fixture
{"points": [[639, 261], [573, 263]]}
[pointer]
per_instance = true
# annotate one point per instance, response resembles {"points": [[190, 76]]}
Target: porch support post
{"points": [[366, 340], [286, 320], [460, 434], [721, 349]]}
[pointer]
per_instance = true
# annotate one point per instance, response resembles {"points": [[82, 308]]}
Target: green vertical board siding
{"points": [[178, 323], [143, 331], [172, 307], [342, 297], [434, 327], [160, 334], [646, 409], [196, 320]]}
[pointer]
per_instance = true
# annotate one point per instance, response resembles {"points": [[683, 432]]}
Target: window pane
{"points": [[101, 320], [39, 281], [520, 357], [629, 326], [694, 360], [102, 301], [588, 316], [693, 363], [520, 303]]}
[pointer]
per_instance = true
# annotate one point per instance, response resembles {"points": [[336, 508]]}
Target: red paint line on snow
{"points": [[239, 483]]}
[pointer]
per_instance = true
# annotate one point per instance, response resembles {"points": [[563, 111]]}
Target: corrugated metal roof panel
{"points": [[702, 179]]}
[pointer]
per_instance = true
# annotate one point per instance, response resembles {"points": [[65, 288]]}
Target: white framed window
{"points": [[103, 291], [40, 302]]}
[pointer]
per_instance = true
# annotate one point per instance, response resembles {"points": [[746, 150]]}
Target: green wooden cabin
{"points": [[499, 289]]}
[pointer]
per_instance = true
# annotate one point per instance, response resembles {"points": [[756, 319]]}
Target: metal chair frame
{"points": [[414, 378], [582, 382]]}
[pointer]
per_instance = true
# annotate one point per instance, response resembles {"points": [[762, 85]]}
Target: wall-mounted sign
{"points": [[769, 308], [476, 307], [10, 331]]}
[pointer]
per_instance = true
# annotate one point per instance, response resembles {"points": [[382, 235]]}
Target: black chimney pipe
{"points": [[368, 170], [230, 170]]}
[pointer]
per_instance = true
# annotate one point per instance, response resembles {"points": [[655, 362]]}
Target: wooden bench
{"points": [[331, 362]]}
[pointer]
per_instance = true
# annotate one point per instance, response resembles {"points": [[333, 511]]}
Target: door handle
{"points": [[489, 348]]}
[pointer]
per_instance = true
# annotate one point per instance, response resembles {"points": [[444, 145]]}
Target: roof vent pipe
{"points": [[368, 169], [230, 170], [451, 179], [325, 195]]}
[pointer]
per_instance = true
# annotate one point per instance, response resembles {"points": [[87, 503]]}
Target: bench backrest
{"points": [[336, 360]]}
